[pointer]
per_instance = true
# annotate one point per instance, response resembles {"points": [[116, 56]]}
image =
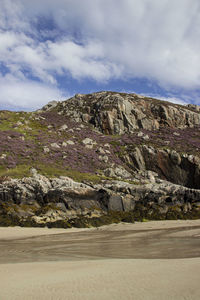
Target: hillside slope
{"points": [[95, 139]]}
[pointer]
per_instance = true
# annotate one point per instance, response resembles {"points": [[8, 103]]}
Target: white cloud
{"points": [[81, 60], [47, 58], [25, 94], [158, 40], [175, 100], [153, 39], [182, 100], [13, 16]]}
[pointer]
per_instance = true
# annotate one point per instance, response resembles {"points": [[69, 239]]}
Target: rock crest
{"points": [[118, 113]]}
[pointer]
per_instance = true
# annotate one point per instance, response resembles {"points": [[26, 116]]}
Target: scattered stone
{"points": [[55, 146], [100, 150], [107, 145], [46, 149], [103, 158], [88, 141], [140, 134], [69, 142], [117, 172], [107, 151], [89, 146], [28, 128], [63, 127], [33, 172], [176, 133], [145, 137]]}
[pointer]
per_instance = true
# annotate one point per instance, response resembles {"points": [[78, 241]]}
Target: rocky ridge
{"points": [[40, 201], [100, 158], [118, 113]]}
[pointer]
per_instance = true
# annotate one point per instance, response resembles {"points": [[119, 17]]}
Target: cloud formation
{"points": [[26, 94], [99, 40]]}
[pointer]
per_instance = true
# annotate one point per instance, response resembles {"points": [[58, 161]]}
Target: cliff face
{"points": [[82, 159], [178, 168], [115, 113]]}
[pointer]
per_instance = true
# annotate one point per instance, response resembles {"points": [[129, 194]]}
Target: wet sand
{"points": [[153, 260]]}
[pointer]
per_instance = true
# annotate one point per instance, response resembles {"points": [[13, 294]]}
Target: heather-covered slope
{"points": [[97, 138]]}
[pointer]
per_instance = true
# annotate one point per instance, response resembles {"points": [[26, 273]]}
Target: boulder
{"points": [[117, 172]]}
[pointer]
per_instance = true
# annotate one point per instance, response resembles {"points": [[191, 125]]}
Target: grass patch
{"points": [[50, 171], [8, 119], [115, 143], [19, 171], [77, 176], [23, 170]]}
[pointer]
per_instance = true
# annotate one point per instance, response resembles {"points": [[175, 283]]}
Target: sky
{"points": [[51, 50]]}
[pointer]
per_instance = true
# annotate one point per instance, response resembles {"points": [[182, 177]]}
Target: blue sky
{"points": [[51, 50]]}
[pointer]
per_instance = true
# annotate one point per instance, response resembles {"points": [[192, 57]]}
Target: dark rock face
{"points": [[178, 168]]}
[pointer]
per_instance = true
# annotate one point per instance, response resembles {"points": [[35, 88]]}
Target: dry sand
{"points": [[124, 261]]}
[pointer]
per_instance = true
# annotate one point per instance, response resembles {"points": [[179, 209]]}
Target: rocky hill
{"points": [[114, 113], [99, 158]]}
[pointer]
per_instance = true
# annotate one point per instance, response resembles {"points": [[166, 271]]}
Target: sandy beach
{"points": [[152, 260]]}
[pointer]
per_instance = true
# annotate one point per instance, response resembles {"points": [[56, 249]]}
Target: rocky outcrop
{"points": [[50, 105], [34, 193], [44, 200], [178, 168], [117, 113], [194, 107], [160, 194], [117, 172]]}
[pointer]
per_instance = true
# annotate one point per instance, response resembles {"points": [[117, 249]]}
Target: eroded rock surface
{"points": [[179, 168], [117, 113], [44, 200]]}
